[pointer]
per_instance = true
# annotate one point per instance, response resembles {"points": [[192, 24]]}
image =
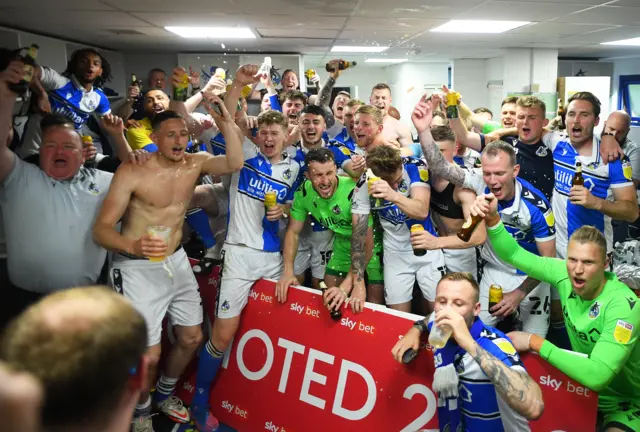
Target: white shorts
{"points": [[462, 260], [534, 308], [242, 266], [153, 292], [402, 269], [314, 251]]}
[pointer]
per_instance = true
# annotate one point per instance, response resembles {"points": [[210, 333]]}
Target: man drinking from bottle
{"points": [[476, 354]]}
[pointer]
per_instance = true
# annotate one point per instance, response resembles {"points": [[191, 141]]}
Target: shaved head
{"points": [[618, 123]]}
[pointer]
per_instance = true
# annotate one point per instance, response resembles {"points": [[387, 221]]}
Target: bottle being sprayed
{"points": [[339, 65], [371, 179]]}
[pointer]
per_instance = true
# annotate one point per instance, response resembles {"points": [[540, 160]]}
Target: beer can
{"points": [[495, 295], [270, 199]]}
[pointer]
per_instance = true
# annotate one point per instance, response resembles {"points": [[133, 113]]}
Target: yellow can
{"points": [[270, 199], [452, 98], [495, 295]]}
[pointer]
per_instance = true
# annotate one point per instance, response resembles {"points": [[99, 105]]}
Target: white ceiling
{"points": [[311, 27]]}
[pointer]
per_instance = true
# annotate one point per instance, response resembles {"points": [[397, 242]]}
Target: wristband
{"points": [[421, 325]]}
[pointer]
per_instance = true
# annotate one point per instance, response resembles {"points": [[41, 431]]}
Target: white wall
{"points": [[624, 67], [470, 80]]}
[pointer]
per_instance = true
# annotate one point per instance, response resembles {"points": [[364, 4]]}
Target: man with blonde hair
{"points": [[87, 347], [394, 130], [600, 312]]}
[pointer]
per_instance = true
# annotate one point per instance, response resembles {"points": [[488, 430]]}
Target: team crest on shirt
{"points": [[93, 188], [594, 311], [91, 105], [593, 165], [622, 332], [542, 151], [287, 173], [402, 187], [336, 209], [225, 306]]}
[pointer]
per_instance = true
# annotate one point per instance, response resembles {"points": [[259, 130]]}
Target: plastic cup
{"points": [[162, 232]]}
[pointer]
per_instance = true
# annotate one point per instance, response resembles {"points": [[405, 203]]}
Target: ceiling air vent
{"points": [[124, 32]]}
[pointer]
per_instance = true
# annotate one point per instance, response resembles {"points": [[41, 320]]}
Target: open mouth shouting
{"points": [[324, 189], [578, 283], [158, 108], [577, 131], [60, 163], [497, 191], [177, 150]]}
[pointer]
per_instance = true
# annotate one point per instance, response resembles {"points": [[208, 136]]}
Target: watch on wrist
{"points": [[421, 325]]}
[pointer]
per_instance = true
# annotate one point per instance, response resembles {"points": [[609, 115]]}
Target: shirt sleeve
{"points": [[473, 180], [104, 107], [335, 129], [51, 80], [418, 173], [552, 139], [298, 211], [620, 173], [507, 249], [633, 153], [138, 138], [610, 352], [360, 203], [490, 127], [341, 154], [274, 100], [542, 223]]}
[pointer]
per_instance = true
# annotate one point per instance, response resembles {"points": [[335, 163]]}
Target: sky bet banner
{"points": [[292, 368]]}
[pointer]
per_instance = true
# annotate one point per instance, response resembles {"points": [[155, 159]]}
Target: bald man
{"points": [[619, 124], [86, 346]]}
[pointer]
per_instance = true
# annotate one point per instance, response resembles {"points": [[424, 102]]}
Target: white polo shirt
{"points": [[48, 227]]}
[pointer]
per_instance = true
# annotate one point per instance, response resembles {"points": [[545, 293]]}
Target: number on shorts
{"points": [[325, 256]]}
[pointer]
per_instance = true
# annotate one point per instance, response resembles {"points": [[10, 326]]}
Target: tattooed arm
{"points": [[421, 117], [360, 224], [515, 387], [325, 93]]}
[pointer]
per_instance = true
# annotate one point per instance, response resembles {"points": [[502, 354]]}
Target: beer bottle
{"points": [[87, 140], [342, 65], [578, 179], [509, 323], [418, 228], [470, 225], [29, 60], [335, 313]]}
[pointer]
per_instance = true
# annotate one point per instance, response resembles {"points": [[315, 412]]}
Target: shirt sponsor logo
{"points": [[505, 346], [424, 174], [594, 311], [345, 151], [626, 169], [549, 218], [622, 332]]}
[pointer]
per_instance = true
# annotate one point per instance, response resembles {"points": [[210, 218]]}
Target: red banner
{"points": [[292, 368]]}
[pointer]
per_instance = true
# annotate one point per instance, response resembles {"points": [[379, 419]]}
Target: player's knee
{"points": [[191, 339], [221, 339]]}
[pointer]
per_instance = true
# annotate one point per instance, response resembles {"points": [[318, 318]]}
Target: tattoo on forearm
{"points": [[515, 387], [325, 92], [528, 285], [438, 165], [360, 228]]}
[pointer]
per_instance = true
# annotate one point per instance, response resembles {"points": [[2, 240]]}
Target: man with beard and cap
{"points": [[74, 94]]}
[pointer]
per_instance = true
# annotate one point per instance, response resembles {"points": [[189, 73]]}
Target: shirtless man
{"points": [[394, 130], [153, 273], [451, 206]]}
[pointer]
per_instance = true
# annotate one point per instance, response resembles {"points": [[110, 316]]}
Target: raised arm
{"points": [[11, 75], [113, 208], [464, 136], [438, 165], [233, 159], [114, 126]]}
